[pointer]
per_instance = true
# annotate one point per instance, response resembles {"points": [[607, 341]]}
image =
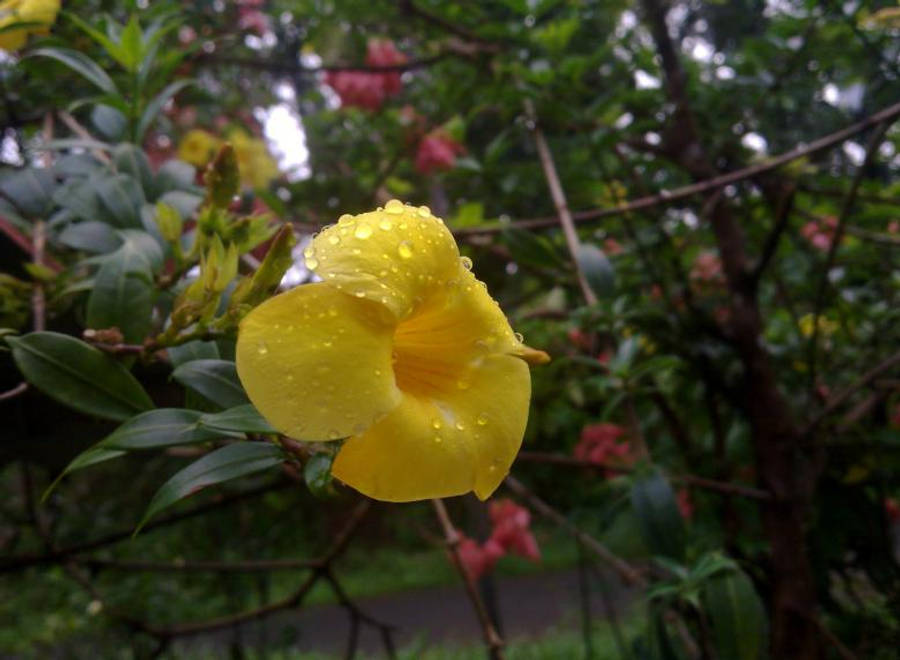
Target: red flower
{"points": [[895, 418], [512, 531], [437, 151], [382, 52], [820, 232], [602, 443], [369, 90], [685, 505], [707, 267], [612, 247], [893, 227], [892, 509], [475, 560]]}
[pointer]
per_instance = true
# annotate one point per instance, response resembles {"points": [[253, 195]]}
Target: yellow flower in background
{"points": [[256, 165], [807, 324], [197, 147], [402, 350], [25, 11]]}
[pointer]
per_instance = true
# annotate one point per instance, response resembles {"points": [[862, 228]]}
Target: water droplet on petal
{"points": [[466, 263], [363, 231], [312, 263], [423, 211], [436, 423], [482, 419], [438, 439], [326, 344], [332, 312], [460, 426], [519, 337], [333, 435], [308, 252], [463, 384], [345, 219], [262, 348], [394, 207], [385, 224], [360, 294], [405, 250], [334, 239]]}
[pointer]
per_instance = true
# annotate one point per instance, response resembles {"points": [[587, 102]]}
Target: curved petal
{"points": [[438, 447], [392, 256], [317, 363]]}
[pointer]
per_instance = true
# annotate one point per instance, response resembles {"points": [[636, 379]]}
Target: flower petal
{"points": [[392, 256], [317, 363], [428, 447]]}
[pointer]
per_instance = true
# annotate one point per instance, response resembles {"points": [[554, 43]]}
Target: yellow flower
{"points": [[400, 348], [25, 11], [256, 166], [826, 327], [197, 147]]}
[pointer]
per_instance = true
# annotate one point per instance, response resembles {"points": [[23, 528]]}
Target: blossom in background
{"points": [[401, 350], [42, 12], [256, 166], [437, 152], [820, 232], [895, 417], [807, 324], [197, 147], [512, 529], [367, 89], [892, 509], [707, 267], [478, 559], [685, 503], [612, 247], [603, 443]]}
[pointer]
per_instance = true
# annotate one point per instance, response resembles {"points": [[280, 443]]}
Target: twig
{"points": [[689, 479], [838, 399], [21, 388], [782, 213], [289, 67], [83, 133], [559, 201], [627, 573], [678, 194], [847, 206], [249, 566], [38, 299], [411, 7], [491, 638]]}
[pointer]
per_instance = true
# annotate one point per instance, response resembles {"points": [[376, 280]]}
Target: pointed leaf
{"points": [[155, 429], [225, 464], [217, 380], [736, 614], [156, 104], [658, 518], [80, 64], [242, 419], [90, 236], [78, 375]]}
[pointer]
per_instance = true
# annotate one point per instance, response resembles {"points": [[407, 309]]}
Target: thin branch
{"points": [[841, 397], [491, 638], [559, 201], [249, 566], [21, 388], [38, 298], [688, 479], [411, 7], [713, 183], [782, 213], [277, 66], [625, 571]]}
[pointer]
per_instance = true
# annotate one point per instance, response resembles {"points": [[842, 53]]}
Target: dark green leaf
{"points": [[736, 614], [109, 122], [30, 190], [130, 159], [658, 517], [90, 236], [175, 175], [78, 375], [193, 350], [156, 104], [242, 419], [225, 464], [597, 270], [217, 380], [122, 197], [155, 429], [317, 475], [532, 249], [81, 64]]}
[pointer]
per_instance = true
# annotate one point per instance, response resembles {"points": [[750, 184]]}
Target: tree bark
{"points": [[781, 465]]}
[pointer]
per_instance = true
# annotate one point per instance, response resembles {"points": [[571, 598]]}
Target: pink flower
{"points": [[475, 560], [895, 417], [707, 267], [893, 227], [437, 152], [512, 530], [685, 505], [892, 509], [820, 232], [252, 20], [369, 90], [612, 247], [382, 52], [603, 443]]}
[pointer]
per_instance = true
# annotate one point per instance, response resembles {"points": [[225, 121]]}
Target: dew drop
{"points": [[360, 294], [333, 435], [519, 337], [394, 207], [378, 372], [334, 239], [308, 252], [385, 225], [466, 263], [332, 312], [363, 231], [438, 439], [460, 426], [326, 344], [423, 211], [436, 423], [482, 420], [405, 250], [345, 219], [463, 384], [262, 348], [312, 263]]}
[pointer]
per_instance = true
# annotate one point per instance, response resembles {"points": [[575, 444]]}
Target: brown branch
{"points": [[289, 67], [411, 7], [38, 298], [625, 571], [559, 201], [727, 488], [491, 638], [841, 397], [770, 246], [706, 185], [249, 566], [21, 388]]}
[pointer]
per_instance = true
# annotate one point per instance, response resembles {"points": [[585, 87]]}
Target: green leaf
{"points": [[90, 236], [658, 517], [131, 45], [31, 191], [225, 464], [122, 197], [131, 159], [155, 429], [112, 48], [193, 350], [156, 104], [85, 459], [217, 380], [597, 270], [78, 375], [109, 122], [532, 249], [175, 175], [80, 198], [242, 419], [80, 64], [736, 615], [317, 475]]}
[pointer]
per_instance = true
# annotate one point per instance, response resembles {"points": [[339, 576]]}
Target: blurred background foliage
{"points": [[723, 407]]}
